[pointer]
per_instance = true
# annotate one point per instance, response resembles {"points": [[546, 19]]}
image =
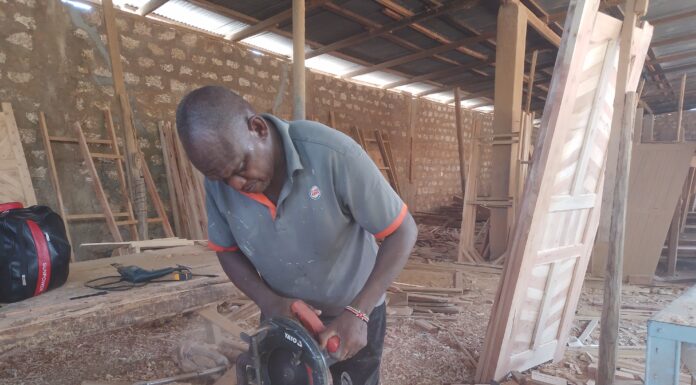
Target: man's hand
{"points": [[352, 332]]}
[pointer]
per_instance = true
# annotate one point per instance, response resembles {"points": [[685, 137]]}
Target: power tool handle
{"points": [[311, 321]]}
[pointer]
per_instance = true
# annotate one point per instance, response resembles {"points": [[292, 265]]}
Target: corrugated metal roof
{"points": [[345, 18]]}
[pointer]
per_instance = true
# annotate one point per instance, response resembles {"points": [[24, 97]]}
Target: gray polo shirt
{"points": [[318, 243]]}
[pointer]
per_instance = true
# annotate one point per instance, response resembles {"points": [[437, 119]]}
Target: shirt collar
{"points": [[292, 158]]}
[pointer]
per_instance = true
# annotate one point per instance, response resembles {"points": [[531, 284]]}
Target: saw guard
{"points": [[287, 334]]}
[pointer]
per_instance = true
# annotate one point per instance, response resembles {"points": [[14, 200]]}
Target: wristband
{"points": [[363, 316]]}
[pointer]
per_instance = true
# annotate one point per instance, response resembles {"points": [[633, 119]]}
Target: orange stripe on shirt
{"points": [[214, 247], [394, 225], [263, 199]]}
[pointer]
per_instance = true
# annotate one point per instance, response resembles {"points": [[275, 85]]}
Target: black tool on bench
{"points": [[135, 276]]}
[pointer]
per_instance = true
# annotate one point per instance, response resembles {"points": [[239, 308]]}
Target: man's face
{"points": [[243, 158]]}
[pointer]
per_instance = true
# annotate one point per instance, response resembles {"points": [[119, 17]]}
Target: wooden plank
{"points": [[509, 82], [460, 137], [680, 109], [136, 187], [633, 43], [673, 240], [154, 195], [120, 172], [385, 151], [541, 27], [467, 250], [658, 172], [96, 184], [52, 317], [170, 179], [530, 80], [575, 92], [608, 340], [211, 314], [298, 60], [53, 172], [14, 175]]}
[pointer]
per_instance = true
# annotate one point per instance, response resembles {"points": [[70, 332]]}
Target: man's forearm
{"points": [[243, 274], [391, 259]]}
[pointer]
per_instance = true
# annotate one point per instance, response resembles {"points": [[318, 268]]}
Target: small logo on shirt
{"points": [[314, 193]]}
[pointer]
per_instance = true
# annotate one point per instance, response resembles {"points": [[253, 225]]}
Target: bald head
{"points": [[210, 110], [226, 140]]}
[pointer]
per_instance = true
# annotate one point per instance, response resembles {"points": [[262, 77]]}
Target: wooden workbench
{"points": [[668, 331], [53, 317]]}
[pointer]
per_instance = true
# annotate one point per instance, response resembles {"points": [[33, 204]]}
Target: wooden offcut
{"points": [[14, 172]]}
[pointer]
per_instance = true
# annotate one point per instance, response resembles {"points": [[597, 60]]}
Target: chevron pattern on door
{"points": [[551, 243]]}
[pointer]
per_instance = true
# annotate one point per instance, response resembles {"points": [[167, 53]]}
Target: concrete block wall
{"points": [[665, 126], [54, 58]]}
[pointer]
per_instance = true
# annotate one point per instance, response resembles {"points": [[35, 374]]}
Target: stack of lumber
{"points": [[407, 299], [133, 247], [185, 183], [448, 216]]}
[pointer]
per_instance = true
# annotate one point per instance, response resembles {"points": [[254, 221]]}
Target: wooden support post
{"points": [[298, 59], [673, 241], [460, 136], [680, 120], [638, 131], [135, 182], [599, 252], [530, 81], [608, 340], [509, 82]]}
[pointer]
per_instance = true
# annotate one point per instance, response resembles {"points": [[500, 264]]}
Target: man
{"points": [[293, 212]]}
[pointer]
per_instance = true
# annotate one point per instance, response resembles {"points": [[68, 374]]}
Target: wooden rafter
{"points": [[222, 10], [344, 12], [417, 55], [272, 21], [397, 12], [674, 57], [432, 75], [391, 27]]}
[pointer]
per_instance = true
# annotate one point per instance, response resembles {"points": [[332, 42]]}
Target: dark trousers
{"points": [[362, 368]]}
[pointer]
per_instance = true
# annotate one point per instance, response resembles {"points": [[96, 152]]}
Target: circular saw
{"points": [[283, 351]]}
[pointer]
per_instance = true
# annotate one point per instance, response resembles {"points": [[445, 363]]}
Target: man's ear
{"points": [[258, 126]]}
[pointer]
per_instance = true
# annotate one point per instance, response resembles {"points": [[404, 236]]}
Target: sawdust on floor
{"points": [[412, 356]]}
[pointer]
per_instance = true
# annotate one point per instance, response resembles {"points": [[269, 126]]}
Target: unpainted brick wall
{"points": [[54, 58]]}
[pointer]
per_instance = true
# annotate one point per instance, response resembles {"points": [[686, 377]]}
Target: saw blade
{"points": [[285, 368]]}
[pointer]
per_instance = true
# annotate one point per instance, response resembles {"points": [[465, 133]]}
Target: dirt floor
{"points": [[412, 355]]}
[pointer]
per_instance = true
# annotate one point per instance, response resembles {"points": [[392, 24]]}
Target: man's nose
{"points": [[236, 182]]}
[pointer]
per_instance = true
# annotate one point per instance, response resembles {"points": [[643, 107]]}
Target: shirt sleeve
{"points": [[367, 196], [220, 236]]}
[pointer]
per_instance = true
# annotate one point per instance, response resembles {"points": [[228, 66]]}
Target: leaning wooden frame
{"points": [[557, 221]]}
